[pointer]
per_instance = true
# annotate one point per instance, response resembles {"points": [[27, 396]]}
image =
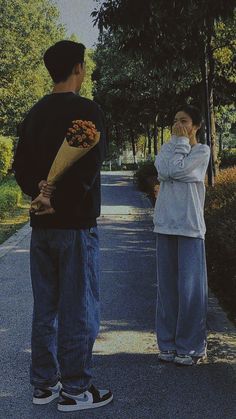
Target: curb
{"points": [[14, 240]]}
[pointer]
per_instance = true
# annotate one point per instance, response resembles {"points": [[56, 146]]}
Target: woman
{"points": [[180, 227]]}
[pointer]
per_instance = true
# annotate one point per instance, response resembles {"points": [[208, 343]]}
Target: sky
{"points": [[75, 14]]}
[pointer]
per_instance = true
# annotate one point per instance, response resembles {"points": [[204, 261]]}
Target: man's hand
{"points": [[46, 189], [179, 130], [41, 206]]}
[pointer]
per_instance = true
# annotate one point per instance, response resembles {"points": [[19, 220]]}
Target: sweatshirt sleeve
{"points": [[189, 164], [161, 163], [23, 164], [75, 184]]}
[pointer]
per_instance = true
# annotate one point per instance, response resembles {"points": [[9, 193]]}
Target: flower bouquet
{"points": [[79, 140]]}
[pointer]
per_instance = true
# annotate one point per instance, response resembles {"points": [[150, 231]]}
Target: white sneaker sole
{"points": [[37, 400], [189, 363], [164, 359], [46, 400], [83, 406]]}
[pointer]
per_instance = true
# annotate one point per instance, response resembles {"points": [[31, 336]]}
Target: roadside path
{"points": [[125, 355]]}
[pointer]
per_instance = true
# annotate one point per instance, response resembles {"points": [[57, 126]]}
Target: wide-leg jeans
{"points": [[65, 281], [181, 294]]}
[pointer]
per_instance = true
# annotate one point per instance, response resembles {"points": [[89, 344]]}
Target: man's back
{"points": [[64, 247], [77, 196]]}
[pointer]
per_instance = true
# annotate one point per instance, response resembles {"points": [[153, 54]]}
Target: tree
{"points": [[225, 117], [87, 86], [179, 36], [134, 94], [27, 30]]}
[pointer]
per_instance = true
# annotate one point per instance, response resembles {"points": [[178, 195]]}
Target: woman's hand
{"points": [[179, 130]]}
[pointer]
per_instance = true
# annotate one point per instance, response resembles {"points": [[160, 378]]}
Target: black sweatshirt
{"points": [[76, 199]]}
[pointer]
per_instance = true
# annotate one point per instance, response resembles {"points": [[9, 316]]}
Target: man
{"points": [[64, 253]]}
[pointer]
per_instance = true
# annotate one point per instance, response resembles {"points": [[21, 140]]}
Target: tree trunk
{"points": [[133, 146], [213, 137], [220, 143], [162, 135], [205, 82], [149, 142], [155, 137], [145, 147], [212, 113]]}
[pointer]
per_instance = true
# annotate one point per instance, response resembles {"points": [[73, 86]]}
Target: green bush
{"points": [[6, 155], [10, 196], [146, 179], [228, 159], [220, 215], [142, 176]]}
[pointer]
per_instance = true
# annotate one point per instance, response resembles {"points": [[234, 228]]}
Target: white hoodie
{"points": [[179, 208]]}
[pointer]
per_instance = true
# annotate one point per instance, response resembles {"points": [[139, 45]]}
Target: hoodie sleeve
{"points": [[161, 163], [189, 165]]}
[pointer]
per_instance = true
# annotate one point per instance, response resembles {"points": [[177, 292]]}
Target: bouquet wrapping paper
{"points": [[80, 139]]}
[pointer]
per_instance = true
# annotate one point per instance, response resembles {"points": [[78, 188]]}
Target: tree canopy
{"points": [[27, 30], [154, 54]]}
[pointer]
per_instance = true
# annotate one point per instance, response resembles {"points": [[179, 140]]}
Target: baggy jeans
{"points": [[65, 281], [181, 294]]}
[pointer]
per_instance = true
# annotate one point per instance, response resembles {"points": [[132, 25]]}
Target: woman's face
{"points": [[185, 120]]}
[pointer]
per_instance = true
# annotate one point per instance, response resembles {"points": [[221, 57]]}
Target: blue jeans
{"points": [[181, 294], [65, 280]]}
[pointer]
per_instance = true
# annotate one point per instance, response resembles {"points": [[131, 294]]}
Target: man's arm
{"points": [[23, 164]]}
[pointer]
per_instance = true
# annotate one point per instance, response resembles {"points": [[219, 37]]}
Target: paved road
{"points": [[125, 353]]}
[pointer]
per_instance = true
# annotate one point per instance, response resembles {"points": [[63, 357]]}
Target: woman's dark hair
{"points": [[61, 57], [193, 112]]}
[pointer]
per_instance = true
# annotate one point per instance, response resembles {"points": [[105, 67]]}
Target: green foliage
{"points": [[27, 29], [145, 74], [228, 158], [10, 196], [220, 217], [6, 155], [224, 48], [87, 86], [225, 119]]}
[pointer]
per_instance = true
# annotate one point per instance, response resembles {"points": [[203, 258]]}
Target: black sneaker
{"points": [[46, 395], [89, 399]]}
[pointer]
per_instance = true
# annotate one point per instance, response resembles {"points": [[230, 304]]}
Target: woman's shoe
{"points": [[167, 356], [188, 360]]}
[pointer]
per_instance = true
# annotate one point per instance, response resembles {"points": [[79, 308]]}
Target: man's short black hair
{"points": [[61, 57]]}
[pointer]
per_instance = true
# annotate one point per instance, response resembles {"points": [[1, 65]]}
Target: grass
{"points": [[14, 218]]}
